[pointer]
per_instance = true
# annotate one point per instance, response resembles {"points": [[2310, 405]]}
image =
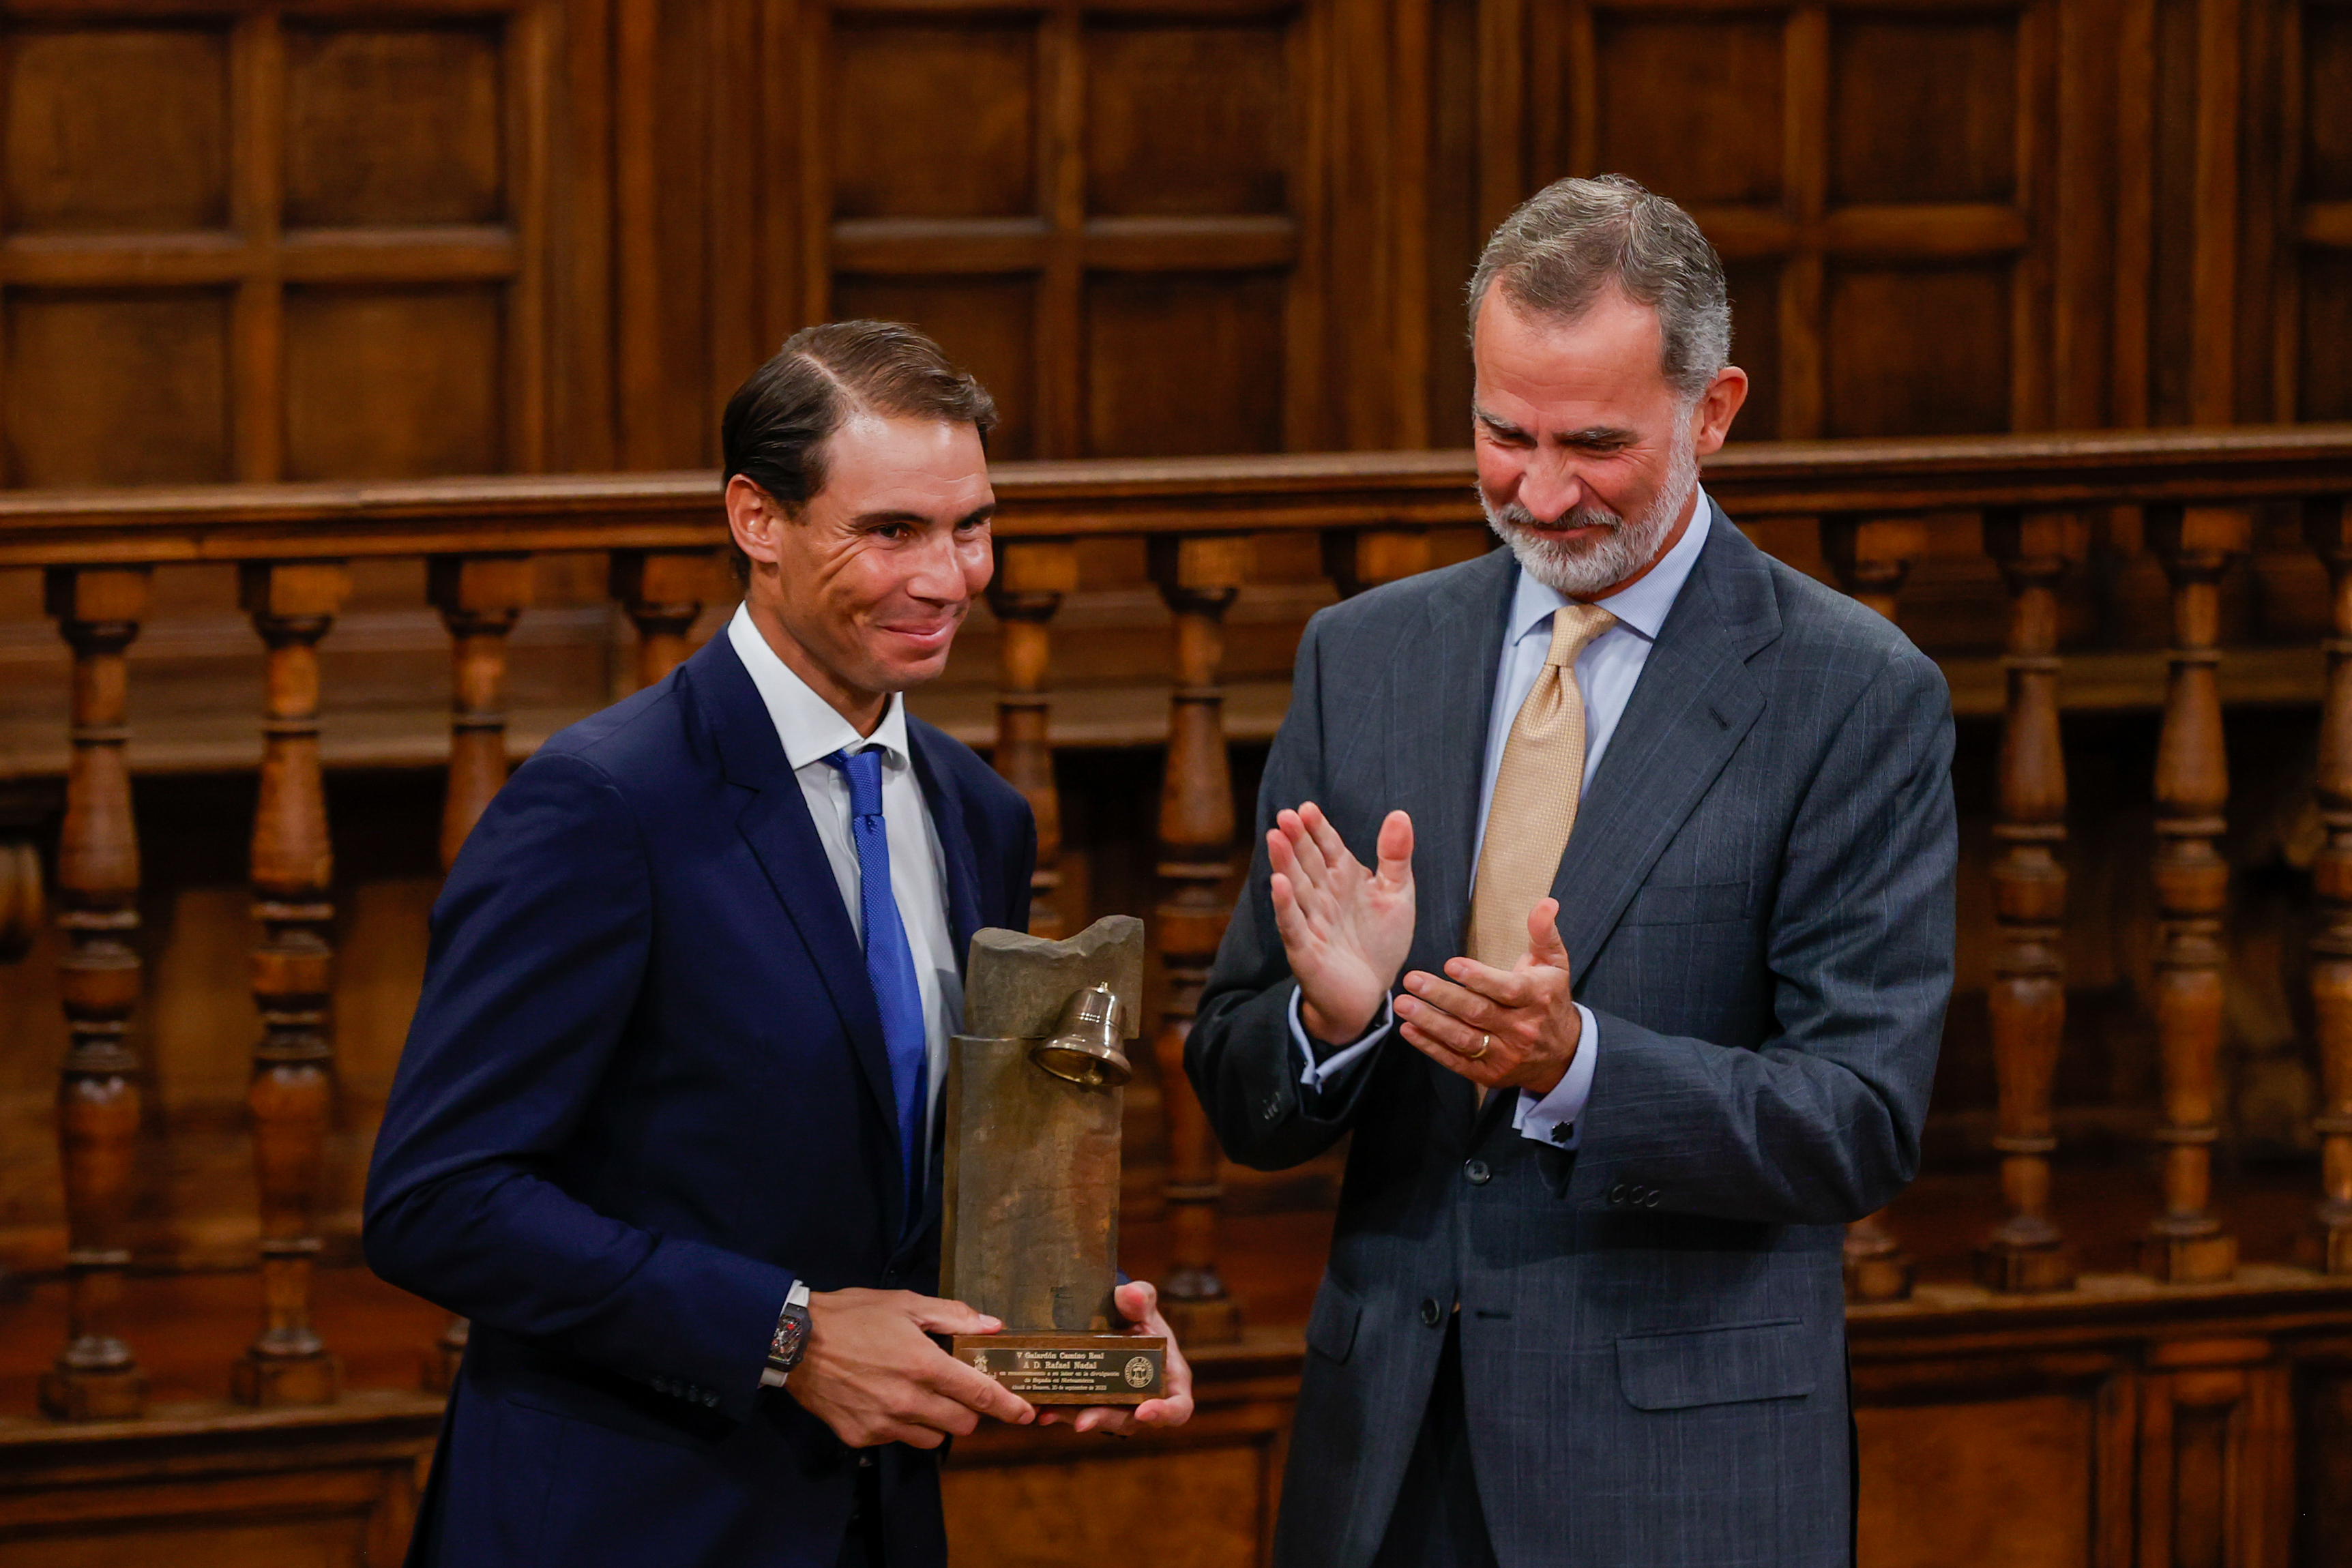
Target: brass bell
{"points": [[1084, 1048]]}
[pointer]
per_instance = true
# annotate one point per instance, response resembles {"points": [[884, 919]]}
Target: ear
{"points": [[1711, 416], [754, 517]]}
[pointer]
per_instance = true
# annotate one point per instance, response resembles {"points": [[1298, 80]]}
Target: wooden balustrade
{"points": [[2187, 1243], [2028, 996], [664, 591], [2327, 524], [1198, 576], [480, 598], [1377, 518], [98, 610], [1032, 576], [292, 605], [1871, 557]]}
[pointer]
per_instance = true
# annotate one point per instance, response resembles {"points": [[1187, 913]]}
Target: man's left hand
{"points": [[1139, 1303], [1515, 1028]]}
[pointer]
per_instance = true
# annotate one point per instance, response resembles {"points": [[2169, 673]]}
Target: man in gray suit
{"points": [[1605, 896]]}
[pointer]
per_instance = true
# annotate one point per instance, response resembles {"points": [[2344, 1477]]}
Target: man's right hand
{"points": [[872, 1373], [1344, 929]]}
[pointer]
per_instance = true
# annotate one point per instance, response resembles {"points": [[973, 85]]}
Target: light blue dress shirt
{"points": [[1606, 673]]}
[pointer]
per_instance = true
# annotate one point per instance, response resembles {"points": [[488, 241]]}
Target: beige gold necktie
{"points": [[1535, 793]]}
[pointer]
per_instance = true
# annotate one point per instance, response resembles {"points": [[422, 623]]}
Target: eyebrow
{"points": [[869, 519], [1591, 435]]}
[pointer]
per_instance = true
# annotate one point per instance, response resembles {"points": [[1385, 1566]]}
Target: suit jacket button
{"points": [[1479, 1172], [711, 1401], [1651, 1199], [1617, 1193], [1430, 1313]]}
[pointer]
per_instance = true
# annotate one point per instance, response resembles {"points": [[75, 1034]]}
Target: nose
{"points": [[935, 574], [1552, 485]]}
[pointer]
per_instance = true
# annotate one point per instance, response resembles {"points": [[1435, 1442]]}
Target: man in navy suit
{"points": [[663, 1127]]}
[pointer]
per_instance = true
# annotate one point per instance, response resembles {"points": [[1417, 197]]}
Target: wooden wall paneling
{"points": [[24, 810], [2083, 194], [257, 77], [2021, 1457], [2216, 1441], [321, 250], [577, 200], [100, 611], [292, 606], [2220, 42], [2317, 174], [2130, 403]]}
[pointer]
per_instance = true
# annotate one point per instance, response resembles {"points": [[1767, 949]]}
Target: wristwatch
{"points": [[784, 1351]]}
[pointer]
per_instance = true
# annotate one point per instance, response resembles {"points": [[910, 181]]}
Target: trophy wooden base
{"points": [[1070, 1368]]}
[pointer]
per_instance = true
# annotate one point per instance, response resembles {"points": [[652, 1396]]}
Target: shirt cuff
{"points": [[1315, 1075], [1552, 1118]]}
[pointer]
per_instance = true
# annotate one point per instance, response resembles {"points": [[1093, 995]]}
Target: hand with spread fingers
{"points": [[1346, 927], [1515, 1028]]}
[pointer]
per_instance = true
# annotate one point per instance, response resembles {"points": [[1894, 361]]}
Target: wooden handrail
{"points": [[1193, 495]]}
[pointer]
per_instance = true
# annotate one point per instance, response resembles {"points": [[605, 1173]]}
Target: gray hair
{"points": [[1555, 254]]}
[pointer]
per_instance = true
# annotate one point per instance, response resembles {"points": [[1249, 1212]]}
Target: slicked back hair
{"points": [[1565, 244], [777, 424]]}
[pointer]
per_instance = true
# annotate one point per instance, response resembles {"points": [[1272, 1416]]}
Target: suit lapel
{"points": [[1694, 702], [1437, 783], [782, 836]]}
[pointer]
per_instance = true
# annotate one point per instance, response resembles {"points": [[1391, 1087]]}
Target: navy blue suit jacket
{"points": [[646, 1090]]}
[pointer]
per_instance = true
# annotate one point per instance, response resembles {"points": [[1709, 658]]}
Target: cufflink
{"points": [[1560, 1131]]}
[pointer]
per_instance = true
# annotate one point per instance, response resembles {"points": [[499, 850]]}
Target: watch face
{"points": [[791, 1337]]}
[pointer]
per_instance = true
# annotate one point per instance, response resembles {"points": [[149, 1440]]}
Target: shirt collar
{"points": [[811, 728], [1641, 609]]}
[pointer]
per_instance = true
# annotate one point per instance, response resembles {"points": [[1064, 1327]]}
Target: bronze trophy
{"points": [[1031, 1203]]}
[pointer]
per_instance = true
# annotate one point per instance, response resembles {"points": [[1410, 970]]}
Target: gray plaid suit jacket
{"points": [[1758, 902]]}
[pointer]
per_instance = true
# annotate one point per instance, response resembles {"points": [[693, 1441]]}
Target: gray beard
{"points": [[1581, 571]]}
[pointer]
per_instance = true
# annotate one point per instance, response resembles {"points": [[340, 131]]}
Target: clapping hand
{"points": [[1346, 928], [1515, 1028]]}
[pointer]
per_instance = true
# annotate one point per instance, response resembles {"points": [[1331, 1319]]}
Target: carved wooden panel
{"points": [[1875, 180], [1102, 213], [273, 243], [2317, 65]]}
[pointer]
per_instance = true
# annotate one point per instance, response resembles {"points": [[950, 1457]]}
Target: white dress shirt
{"points": [[813, 729], [1606, 673]]}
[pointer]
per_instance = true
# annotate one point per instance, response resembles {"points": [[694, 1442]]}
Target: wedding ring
{"points": [[1484, 1041]]}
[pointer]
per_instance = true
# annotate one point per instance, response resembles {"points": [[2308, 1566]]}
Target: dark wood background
{"points": [[303, 240], [359, 238]]}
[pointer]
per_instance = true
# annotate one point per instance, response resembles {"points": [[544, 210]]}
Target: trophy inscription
{"points": [[1030, 1202]]}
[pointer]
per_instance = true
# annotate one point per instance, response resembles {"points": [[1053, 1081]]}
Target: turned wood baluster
{"points": [[480, 598], [664, 591], [2327, 524], [1032, 575], [21, 901], [1199, 578], [1358, 559], [96, 1377], [1871, 557], [292, 604], [2187, 1242], [2028, 997]]}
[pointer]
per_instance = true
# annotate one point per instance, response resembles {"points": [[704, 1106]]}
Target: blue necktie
{"points": [[889, 962]]}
